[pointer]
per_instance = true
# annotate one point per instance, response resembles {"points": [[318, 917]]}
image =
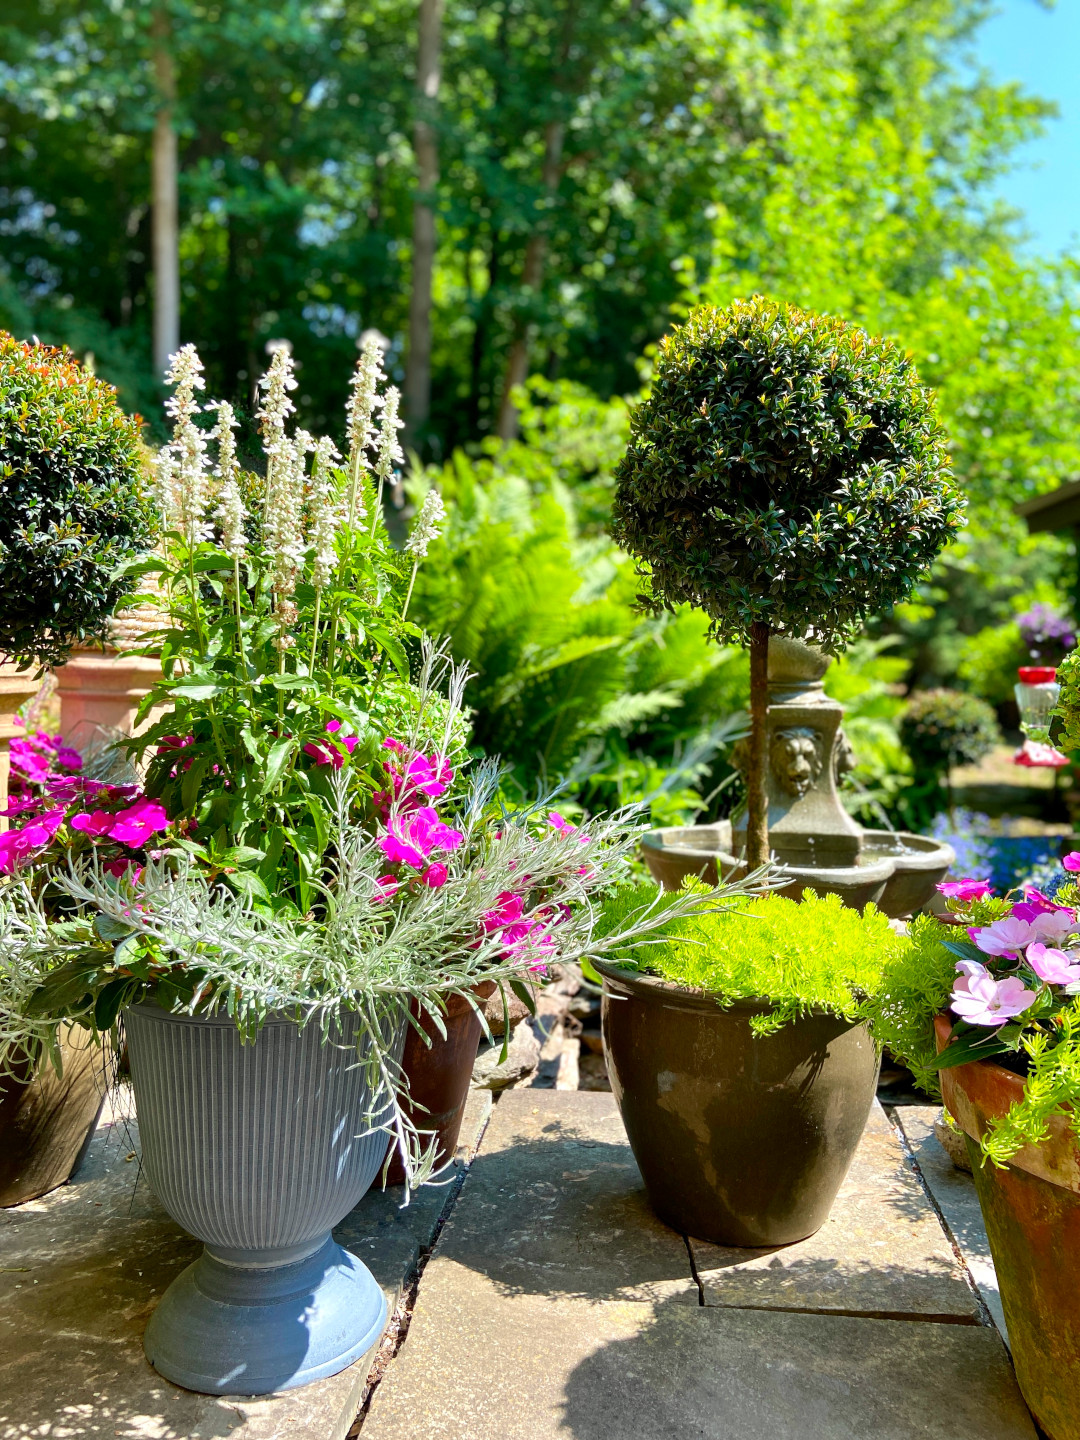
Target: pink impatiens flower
{"points": [[1071, 861], [982, 1000], [412, 837], [1056, 967], [138, 822], [17, 846], [1004, 937], [556, 821], [1048, 924], [965, 889], [99, 822]]}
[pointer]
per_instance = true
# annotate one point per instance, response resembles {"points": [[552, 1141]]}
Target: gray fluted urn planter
{"points": [[258, 1150]]}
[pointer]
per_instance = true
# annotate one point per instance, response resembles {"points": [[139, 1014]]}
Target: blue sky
{"points": [[1041, 49]]}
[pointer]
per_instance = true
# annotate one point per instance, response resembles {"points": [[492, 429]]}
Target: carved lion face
{"points": [[796, 759]]}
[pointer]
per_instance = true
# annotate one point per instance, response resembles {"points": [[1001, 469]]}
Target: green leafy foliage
{"points": [[916, 985], [989, 661], [570, 681], [74, 502], [941, 729], [786, 469], [1068, 706], [813, 955], [866, 680]]}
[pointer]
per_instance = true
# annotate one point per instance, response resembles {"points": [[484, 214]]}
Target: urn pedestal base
{"points": [[226, 1327]]}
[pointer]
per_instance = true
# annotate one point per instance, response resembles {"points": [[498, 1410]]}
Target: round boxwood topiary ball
{"points": [[943, 728], [786, 469], [74, 502]]}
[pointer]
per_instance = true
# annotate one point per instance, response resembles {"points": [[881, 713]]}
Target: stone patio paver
{"points": [[555, 1305], [81, 1271], [482, 1364], [554, 1205], [882, 1250], [955, 1196]]}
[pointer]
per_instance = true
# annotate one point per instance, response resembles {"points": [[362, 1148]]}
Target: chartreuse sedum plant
{"points": [[1008, 978], [75, 502], [815, 956], [284, 629], [788, 475]]}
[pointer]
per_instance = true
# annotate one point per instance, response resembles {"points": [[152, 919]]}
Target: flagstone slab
{"points": [[882, 1250], [482, 1363], [554, 1204], [80, 1273], [955, 1196]]}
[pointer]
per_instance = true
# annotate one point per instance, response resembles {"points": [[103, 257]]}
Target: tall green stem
{"points": [[315, 630], [408, 593]]}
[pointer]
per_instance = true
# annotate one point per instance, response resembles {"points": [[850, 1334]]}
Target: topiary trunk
{"points": [[757, 804]]}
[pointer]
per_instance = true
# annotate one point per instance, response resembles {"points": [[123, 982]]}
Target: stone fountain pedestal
{"points": [[810, 832]]}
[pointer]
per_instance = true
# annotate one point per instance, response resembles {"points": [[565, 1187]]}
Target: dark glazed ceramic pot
{"points": [[439, 1074], [1031, 1207], [258, 1150], [740, 1140]]}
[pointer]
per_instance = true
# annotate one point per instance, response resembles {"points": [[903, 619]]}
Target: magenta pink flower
{"points": [[386, 887], [413, 836], [508, 909], [1004, 937], [556, 821], [966, 889], [138, 822], [100, 822], [329, 754], [1072, 861], [19, 807], [424, 775], [1056, 967], [124, 865], [17, 846], [435, 876], [982, 1000]]}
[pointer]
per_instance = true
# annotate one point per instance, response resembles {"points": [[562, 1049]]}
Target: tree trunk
{"points": [[426, 147], [165, 204], [532, 278], [757, 802]]}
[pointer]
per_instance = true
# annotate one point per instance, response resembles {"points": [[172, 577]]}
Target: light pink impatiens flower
{"points": [[1071, 861], [1005, 937], [981, 1000], [1056, 967]]}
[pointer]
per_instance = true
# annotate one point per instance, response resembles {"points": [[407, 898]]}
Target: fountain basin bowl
{"points": [[920, 864], [897, 872]]}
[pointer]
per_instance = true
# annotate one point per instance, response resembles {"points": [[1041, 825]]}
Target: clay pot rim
{"points": [[685, 997], [993, 1090]]}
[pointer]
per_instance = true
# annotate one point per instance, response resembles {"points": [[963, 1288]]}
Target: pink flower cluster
{"points": [[516, 931], [412, 778], [117, 813], [41, 757], [1039, 942], [333, 751]]}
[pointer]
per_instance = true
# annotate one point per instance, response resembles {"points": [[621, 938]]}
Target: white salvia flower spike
{"points": [[276, 408], [188, 481], [390, 452], [360, 408], [230, 513], [427, 526], [326, 513]]}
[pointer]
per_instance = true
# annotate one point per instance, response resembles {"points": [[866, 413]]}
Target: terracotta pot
{"points": [[439, 1074], [740, 1140], [16, 687], [1032, 1212], [100, 693]]}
